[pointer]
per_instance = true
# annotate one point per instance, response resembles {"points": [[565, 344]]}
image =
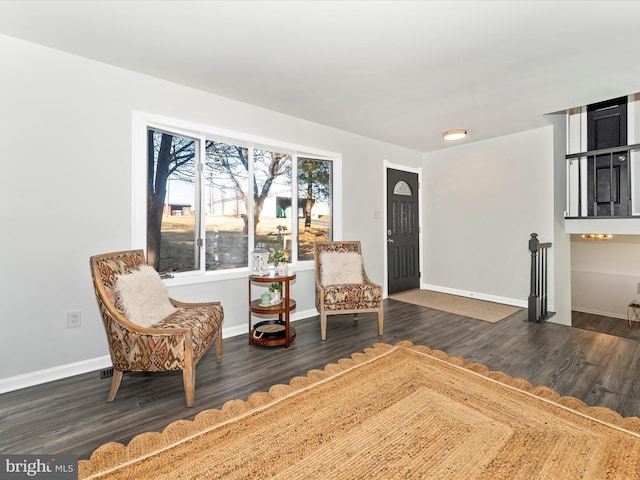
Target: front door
{"points": [[403, 232], [608, 188]]}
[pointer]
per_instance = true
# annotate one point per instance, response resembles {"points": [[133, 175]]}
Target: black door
{"points": [[608, 174], [403, 252]]}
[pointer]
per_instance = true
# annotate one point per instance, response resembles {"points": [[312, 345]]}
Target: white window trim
{"points": [[140, 121]]}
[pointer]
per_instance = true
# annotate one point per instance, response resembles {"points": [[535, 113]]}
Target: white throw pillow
{"points": [[340, 267], [143, 297]]}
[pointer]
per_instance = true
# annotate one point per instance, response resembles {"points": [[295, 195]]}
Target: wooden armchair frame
{"points": [[369, 293], [176, 343]]}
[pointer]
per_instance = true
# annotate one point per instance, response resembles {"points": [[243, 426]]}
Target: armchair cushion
{"points": [[352, 296], [143, 297], [203, 321], [340, 268]]}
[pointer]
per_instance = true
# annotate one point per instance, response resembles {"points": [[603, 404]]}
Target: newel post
{"points": [[534, 305]]}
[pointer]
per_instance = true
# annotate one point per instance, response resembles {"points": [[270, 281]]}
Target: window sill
{"points": [[181, 279]]}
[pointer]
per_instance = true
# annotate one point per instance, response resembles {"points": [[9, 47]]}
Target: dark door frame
{"points": [[386, 166]]}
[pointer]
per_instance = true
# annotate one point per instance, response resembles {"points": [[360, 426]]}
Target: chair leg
{"points": [[355, 316], [219, 347], [323, 325], [189, 380], [380, 321], [115, 384]]}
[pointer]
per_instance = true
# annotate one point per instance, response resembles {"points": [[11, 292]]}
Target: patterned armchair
{"points": [[342, 285], [176, 342]]}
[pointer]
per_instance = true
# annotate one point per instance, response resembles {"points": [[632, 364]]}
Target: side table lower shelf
{"points": [[272, 333]]}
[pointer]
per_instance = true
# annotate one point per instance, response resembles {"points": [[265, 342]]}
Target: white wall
{"points": [[605, 274], [561, 249], [66, 195], [481, 203]]}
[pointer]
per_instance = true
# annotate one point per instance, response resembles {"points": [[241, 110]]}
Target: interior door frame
{"points": [[386, 165]]}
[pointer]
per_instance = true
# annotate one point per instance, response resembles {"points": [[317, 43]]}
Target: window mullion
{"points": [[250, 202], [201, 241], [295, 221]]}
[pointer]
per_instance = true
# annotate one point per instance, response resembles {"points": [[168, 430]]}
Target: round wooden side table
{"points": [[272, 333]]}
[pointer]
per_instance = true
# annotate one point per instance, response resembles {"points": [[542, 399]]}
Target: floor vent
{"points": [[107, 372]]}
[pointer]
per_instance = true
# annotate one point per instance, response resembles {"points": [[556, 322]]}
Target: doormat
{"points": [[467, 307]]}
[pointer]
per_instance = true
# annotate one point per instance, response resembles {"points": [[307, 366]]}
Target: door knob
{"points": [[389, 240]]}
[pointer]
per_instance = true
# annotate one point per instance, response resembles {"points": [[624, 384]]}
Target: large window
{"points": [[211, 202]]}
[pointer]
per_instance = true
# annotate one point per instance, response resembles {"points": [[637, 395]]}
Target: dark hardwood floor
{"points": [[603, 324], [71, 416]]}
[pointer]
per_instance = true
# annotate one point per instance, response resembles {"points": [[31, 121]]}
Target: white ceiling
{"points": [[401, 72]]}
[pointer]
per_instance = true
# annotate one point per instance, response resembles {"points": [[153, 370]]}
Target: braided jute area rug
{"points": [[394, 411]]}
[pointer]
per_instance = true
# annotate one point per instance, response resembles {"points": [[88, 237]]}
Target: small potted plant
{"points": [[279, 258], [275, 290]]}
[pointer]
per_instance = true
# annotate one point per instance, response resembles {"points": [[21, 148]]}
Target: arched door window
{"points": [[402, 188]]}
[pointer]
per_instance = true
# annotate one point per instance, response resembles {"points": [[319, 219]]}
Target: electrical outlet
{"points": [[74, 319]]}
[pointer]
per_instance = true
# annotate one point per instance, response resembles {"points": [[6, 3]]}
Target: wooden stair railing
{"points": [[538, 290]]}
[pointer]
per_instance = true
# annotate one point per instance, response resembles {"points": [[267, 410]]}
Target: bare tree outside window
{"points": [[231, 190], [272, 199], [314, 204], [227, 186], [171, 226]]}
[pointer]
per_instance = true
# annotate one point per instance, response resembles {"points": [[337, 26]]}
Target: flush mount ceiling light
{"points": [[454, 134]]}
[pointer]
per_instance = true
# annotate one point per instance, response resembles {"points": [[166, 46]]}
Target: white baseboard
{"points": [[94, 364], [56, 373], [480, 296], [596, 312]]}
